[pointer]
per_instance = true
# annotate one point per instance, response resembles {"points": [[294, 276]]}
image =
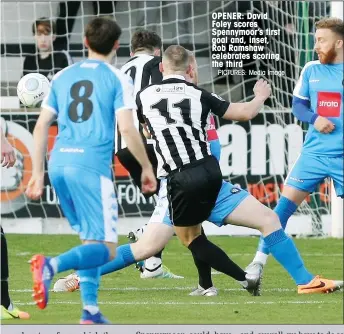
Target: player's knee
{"points": [[270, 222], [188, 239], [112, 250]]}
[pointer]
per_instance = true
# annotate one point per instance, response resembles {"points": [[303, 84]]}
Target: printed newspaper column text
{"points": [[237, 38]]}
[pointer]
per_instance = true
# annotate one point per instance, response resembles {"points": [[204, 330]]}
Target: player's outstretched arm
{"points": [[40, 137], [135, 145], [247, 110], [8, 157]]}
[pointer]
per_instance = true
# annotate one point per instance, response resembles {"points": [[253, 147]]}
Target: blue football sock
{"points": [[81, 257], [285, 252], [89, 284], [285, 208], [124, 258]]}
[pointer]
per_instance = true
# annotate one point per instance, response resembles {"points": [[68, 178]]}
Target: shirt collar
{"points": [[173, 76]]}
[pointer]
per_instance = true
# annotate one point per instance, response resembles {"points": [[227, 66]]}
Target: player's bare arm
{"points": [[8, 157], [248, 110], [40, 137], [135, 145]]}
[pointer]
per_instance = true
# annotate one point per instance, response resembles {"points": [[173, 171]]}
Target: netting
{"points": [[257, 155]]}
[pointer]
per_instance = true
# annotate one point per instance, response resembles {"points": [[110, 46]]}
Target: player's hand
{"points": [[323, 125], [8, 157], [148, 181], [35, 187], [262, 90]]}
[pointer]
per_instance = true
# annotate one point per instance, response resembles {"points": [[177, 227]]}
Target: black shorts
{"points": [[192, 191], [126, 158]]}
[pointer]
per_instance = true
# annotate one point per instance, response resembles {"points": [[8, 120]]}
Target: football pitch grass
{"points": [[125, 298]]}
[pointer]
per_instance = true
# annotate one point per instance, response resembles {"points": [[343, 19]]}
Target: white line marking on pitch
{"points": [[168, 289], [194, 303]]}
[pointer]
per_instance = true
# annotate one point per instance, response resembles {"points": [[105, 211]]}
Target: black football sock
{"points": [[159, 255], [207, 252], [204, 271], [5, 297]]}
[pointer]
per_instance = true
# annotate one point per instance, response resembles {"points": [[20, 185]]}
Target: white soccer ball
{"points": [[32, 89], [69, 283]]}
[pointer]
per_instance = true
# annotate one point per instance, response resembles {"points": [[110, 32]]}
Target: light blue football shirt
{"points": [[85, 98], [322, 85]]}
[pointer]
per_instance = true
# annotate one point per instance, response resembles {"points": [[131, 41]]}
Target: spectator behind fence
{"points": [[45, 61], [68, 11]]}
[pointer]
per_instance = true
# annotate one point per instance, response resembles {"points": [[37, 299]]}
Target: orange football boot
{"points": [[320, 285]]}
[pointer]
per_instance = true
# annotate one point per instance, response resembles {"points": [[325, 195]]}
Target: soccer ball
{"points": [[32, 89], [69, 283]]}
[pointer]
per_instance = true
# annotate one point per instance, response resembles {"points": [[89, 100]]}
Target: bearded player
{"points": [[318, 101]]}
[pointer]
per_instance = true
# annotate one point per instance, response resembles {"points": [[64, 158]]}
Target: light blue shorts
{"points": [[229, 198], [310, 170], [88, 201]]}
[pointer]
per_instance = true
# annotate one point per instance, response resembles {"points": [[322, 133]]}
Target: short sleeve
{"points": [[124, 93], [50, 101], [216, 104], [301, 89]]}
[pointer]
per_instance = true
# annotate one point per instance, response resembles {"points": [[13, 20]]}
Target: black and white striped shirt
{"points": [[144, 70], [176, 114]]}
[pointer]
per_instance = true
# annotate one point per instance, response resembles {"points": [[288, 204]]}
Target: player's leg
{"points": [[336, 172], [8, 310], [91, 208], [192, 195], [249, 212], [306, 174], [154, 238], [134, 168], [205, 287], [205, 282]]}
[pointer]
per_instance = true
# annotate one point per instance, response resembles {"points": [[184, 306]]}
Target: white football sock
{"points": [[10, 307], [92, 309], [53, 264], [261, 257]]}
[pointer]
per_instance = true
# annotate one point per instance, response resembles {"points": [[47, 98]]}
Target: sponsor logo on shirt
{"points": [[174, 89], [329, 104], [72, 150]]}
